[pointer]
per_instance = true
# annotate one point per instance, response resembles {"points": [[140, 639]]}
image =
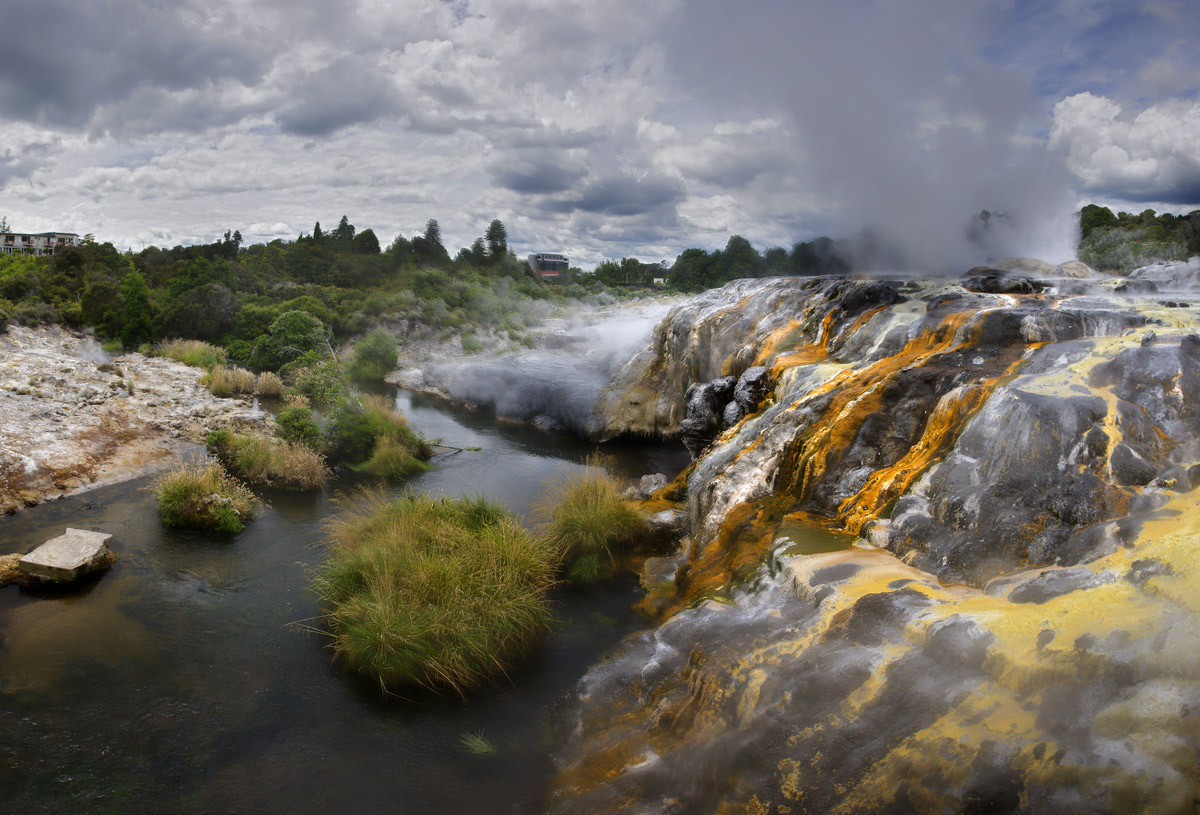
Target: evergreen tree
{"points": [[318, 236], [136, 295], [433, 234], [342, 238], [497, 240]]}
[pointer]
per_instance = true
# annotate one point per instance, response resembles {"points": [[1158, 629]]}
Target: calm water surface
{"points": [[185, 679]]}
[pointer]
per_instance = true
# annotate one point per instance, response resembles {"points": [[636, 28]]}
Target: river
{"points": [[193, 676]]}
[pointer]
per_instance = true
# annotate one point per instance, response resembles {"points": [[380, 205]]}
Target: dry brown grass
{"points": [[264, 460], [224, 381], [269, 384]]}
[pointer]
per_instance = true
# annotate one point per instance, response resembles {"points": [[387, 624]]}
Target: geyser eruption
{"points": [[899, 122]]}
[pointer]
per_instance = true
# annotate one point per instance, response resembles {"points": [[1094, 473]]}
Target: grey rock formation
{"points": [[68, 557]]}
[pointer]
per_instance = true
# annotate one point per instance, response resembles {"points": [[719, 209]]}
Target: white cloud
{"points": [[1154, 155]]}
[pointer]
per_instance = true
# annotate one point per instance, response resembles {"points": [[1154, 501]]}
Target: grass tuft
{"points": [[201, 495], [268, 461], [197, 353], [269, 384], [226, 382], [586, 518], [477, 744], [437, 592]]}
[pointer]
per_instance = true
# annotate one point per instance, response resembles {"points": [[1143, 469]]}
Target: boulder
{"points": [[752, 387], [68, 557]]}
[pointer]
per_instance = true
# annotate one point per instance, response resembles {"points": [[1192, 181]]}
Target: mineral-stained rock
{"points": [[1023, 447], [68, 557]]}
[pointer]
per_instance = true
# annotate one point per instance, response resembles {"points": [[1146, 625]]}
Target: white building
{"points": [[41, 243]]}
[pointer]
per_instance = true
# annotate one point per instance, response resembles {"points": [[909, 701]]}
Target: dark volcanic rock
{"points": [[998, 281], [752, 387], [1056, 583], [705, 408]]}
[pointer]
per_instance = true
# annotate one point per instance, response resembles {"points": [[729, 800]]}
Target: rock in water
{"points": [[68, 557]]}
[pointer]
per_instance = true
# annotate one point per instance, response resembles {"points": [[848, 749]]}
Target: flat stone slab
{"points": [[68, 557]]}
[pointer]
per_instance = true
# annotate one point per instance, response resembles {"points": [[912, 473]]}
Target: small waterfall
{"points": [[255, 410]]}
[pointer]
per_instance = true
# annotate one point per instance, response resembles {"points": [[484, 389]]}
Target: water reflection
{"points": [[184, 680]]}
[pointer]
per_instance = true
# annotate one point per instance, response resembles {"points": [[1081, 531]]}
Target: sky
{"points": [[598, 128]]}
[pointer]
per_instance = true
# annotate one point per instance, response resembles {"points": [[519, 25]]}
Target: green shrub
{"points": [[321, 383], [471, 344], [585, 519], [196, 353], [437, 592], [291, 335], [267, 461], [201, 495], [297, 425], [374, 356], [375, 438]]}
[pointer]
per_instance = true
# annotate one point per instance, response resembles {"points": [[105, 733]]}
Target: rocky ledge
{"points": [[70, 419]]}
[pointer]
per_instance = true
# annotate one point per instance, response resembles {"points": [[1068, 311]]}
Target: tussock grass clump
{"points": [[269, 384], [201, 495], [586, 518], [375, 438], [437, 592], [272, 462], [197, 353], [225, 382]]}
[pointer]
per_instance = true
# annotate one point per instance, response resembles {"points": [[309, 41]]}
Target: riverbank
{"points": [[71, 419]]}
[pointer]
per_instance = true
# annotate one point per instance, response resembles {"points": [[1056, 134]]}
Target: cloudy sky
{"points": [[602, 128]]}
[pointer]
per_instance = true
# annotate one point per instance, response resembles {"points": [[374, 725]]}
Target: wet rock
{"points": [[998, 281], [1136, 287], [68, 557], [961, 641], [1129, 468], [705, 405], [1057, 582], [752, 387], [669, 524], [1143, 569], [732, 414], [646, 486]]}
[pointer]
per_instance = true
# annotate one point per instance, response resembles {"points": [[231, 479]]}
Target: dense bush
{"points": [[374, 356], [320, 382], [586, 518], [292, 335], [437, 592], [375, 438], [267, 461], [296, 425], [201, 495]]}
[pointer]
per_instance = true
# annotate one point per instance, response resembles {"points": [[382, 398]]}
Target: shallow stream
{"points": [[192, 677]]}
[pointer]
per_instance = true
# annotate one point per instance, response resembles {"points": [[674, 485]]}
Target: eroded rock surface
{"points": [[1011, 633], [67, 422]]}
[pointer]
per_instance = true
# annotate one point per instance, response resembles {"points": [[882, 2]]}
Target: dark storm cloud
{"points": [[621, 195], [62, 59], [535, 172], [346, 92]]}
